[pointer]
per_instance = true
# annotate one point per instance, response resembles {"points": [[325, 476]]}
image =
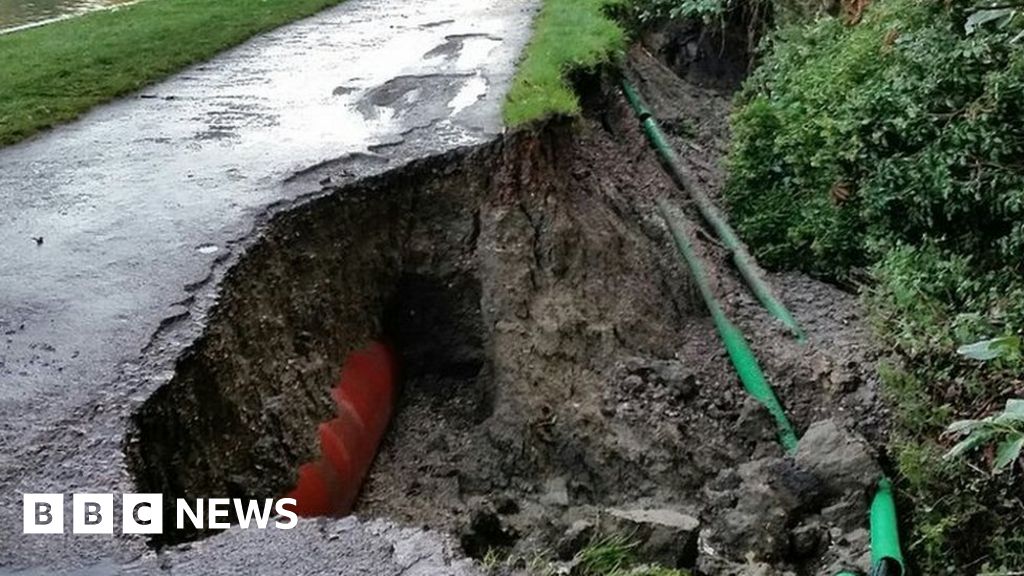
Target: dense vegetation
{"points": [[54, 73], [893, 149]]}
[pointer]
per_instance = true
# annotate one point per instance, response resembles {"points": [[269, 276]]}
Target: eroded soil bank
{"points": [[557, 368]]}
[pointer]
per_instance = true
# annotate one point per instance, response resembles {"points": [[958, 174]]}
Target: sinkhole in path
{"points": [[356, 306], [519, 290]]}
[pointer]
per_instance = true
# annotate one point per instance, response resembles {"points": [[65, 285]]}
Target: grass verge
{"points": [[54, 73], [568, 35]]}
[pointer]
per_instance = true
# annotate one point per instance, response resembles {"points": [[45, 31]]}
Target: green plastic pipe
{"points": [[742, 357], [886, 556], [642, 112], [741, 258]]}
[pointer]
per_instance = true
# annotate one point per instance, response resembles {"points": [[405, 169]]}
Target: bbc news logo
{"points": [[144, 513]]}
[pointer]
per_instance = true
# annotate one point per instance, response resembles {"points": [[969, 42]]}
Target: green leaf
{"points": [[1012, 415], [1008, 451], [1009, 419], [975, 439], [1014, 406], [990, 349], [961, 426], [984, 16]]}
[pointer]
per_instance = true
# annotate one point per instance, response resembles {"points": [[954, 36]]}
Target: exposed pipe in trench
{"points": [[364, 399], [741, 258], [886, 555], [742, 356]]}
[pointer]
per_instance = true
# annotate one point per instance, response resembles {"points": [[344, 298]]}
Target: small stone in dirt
{"points": [[506, 505], [556, 492], [633, 384], [665, 536], [575, 537], [682, 382], [723, 567], [804, 540], [841, 460], [754, 423], [843, 380]]}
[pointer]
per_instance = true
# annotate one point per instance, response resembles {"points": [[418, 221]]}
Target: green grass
{"points": [[617, 556], [568, 35], [609, 555], [53, 73], [605, 556]]}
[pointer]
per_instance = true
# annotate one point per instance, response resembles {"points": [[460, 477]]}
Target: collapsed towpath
{"points": [[117, 228]]}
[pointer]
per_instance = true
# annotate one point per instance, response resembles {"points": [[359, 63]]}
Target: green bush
{"points": [[896, 147], [655, 10], [900, 129]]}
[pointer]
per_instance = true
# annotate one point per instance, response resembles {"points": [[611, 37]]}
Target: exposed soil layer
{"points": [[556, 362], [840, 357]]}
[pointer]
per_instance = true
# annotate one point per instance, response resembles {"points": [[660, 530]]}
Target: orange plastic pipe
{"points": [[363, 398]]}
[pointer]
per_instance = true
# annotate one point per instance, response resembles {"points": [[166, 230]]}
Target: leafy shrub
{"points": [[900, 129], [654, 10], [1006, 427], [896, 147]]}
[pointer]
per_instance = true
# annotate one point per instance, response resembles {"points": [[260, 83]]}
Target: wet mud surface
{"points": [[840, 356], [611, 389]]}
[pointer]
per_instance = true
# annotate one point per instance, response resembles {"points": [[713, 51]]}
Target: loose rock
{"points": [[842, 461], [665, 536]]}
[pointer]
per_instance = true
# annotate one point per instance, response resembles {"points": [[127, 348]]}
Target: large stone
{"points": [[769, 495], [664, 536], [841, 460]]}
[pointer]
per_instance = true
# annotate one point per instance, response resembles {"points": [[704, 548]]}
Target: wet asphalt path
{"points": [[119, 225]]}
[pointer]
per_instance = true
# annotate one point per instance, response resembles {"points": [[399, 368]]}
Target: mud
{"points": [[840, 359], [498, 279], [556, 363]]}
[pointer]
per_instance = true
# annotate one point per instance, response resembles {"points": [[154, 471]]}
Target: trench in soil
{"points": [[554, 359]]}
